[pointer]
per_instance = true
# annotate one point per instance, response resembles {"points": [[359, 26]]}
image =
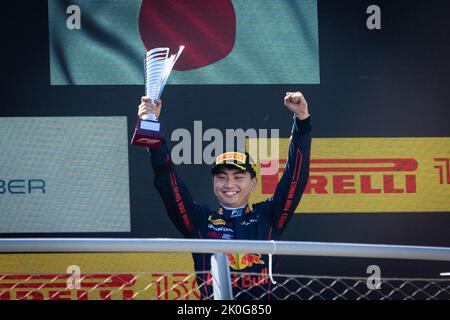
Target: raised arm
{"points": [[290, 188], [181, 208]]}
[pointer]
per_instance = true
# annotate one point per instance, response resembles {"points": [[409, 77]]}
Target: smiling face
{"points": [[233, 186]]}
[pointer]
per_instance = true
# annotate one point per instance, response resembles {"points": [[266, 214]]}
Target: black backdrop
{"points": [[392, 82]]}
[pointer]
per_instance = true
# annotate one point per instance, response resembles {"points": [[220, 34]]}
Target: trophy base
{"points": [[147, 134]]}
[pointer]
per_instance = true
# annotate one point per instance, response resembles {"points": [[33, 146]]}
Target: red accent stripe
{"points": [[173, 179], [295, 176], [296, 166], [270, 233], [300, 166], [187, 223], [386, 165], [379, 165]]}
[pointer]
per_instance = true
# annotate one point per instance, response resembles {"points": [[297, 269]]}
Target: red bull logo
{"points": [[240, 261]]}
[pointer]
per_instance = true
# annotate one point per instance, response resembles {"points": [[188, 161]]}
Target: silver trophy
{"points": [[157, 67]]}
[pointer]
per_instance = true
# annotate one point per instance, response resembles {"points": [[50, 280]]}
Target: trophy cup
{"points": [[157, 68]]}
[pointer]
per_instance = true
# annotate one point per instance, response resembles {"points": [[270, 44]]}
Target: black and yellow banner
{"points": [[368, 175]]}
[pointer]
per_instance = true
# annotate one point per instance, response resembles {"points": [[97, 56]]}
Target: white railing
{"points": [[220, 271], [224, 246]]}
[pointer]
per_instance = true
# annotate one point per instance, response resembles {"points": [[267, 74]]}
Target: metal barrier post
{"points": [[221, 277]]}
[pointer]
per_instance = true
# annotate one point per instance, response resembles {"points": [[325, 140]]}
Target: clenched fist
{"points": [[148, 106], [295, 102]]}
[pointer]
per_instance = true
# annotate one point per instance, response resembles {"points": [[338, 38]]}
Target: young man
{"points": [[234, 179]]}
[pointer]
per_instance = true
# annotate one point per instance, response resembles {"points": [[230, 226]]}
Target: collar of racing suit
{"points": [[228, 212]]}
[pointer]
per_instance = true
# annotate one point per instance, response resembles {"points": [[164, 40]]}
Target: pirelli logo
{"points": [[370, 175], [118, 286], [351, 176], [150, 276], [233, 156], [54, 287]]}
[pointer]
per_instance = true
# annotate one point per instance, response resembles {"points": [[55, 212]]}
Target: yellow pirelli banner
{"points": [[97, 276], [365, 174]]}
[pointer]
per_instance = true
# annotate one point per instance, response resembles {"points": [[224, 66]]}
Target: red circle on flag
{"points": [[206, 28]]}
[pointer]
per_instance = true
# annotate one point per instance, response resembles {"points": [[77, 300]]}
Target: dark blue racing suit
{"points": [[265, 220]]}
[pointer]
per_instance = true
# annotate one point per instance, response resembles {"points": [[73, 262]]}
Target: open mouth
{"points": [[230, 193]]}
